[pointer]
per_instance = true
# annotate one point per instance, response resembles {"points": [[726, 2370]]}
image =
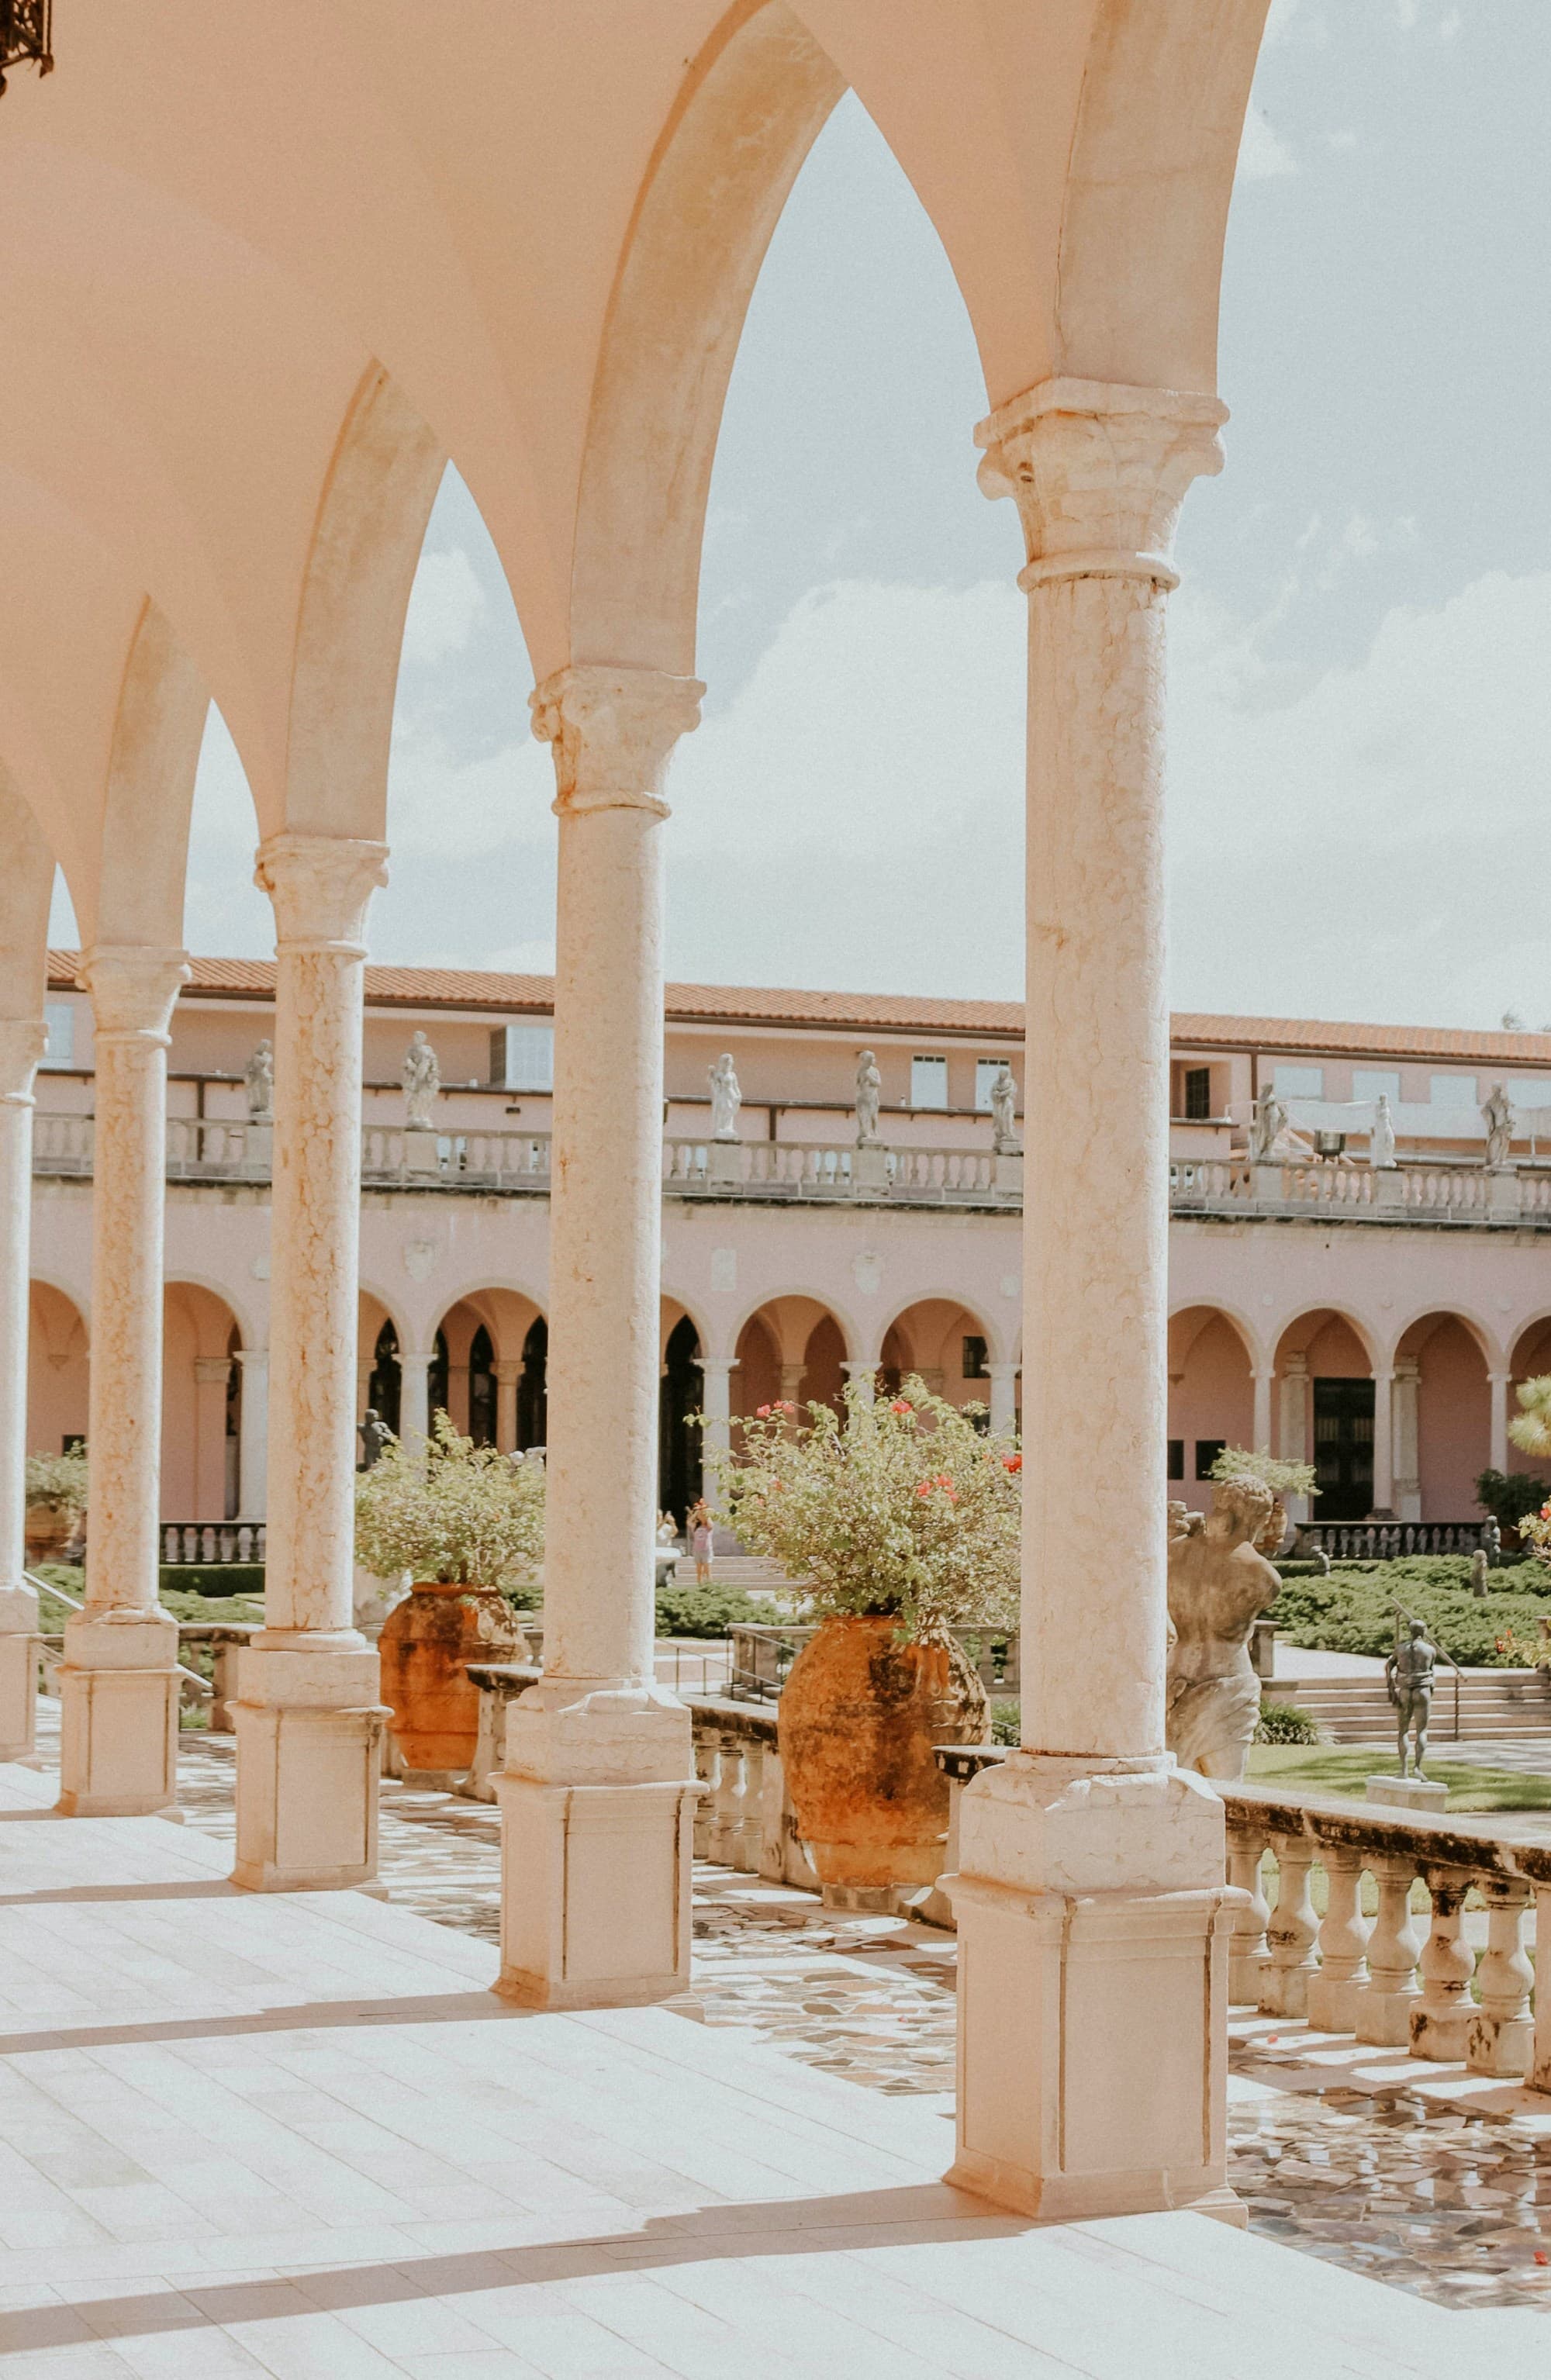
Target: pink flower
{"points": [[762, 1413], [902, 1405]]}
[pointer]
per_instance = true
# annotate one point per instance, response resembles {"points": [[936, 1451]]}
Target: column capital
{"points": [[208, 1369], [723, 1363], [613, 732], [132, 989], [256, 1356], [1002, 1371], [23, 1042], [508, 1370], [1100, 471], [320, 885]]}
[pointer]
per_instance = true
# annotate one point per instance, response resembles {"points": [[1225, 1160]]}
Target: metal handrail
{"points": [[1453, 1664]]}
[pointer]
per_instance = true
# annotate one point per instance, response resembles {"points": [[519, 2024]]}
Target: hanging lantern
{"points": [[24, 35]]}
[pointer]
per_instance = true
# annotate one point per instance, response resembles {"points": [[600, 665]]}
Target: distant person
{"points": [[701, 1544]]}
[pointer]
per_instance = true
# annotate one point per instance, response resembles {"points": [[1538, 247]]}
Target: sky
{"points": [[1360, 695]]}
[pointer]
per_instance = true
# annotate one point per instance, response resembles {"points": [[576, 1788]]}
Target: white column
{"points": [[1293, 1444], [1498, 1383], [21, 1046], [253, 1434], [508, 1372], [1384, 1442], [1004, 1395], [1090, 1892], [1260, 1429], [212, 1376], [413, 1395], [715, 1397], [306, 1715], [598, 1792], [118, 1679], [865, 1377], [1408, 1482]]}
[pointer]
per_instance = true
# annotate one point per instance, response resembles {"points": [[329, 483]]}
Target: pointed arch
{"points": [[137, 896], [26, 887]]}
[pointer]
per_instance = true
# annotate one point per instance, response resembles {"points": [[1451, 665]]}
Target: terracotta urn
{"points": [[857, 1719], [44, 1530], [1271, 1539], [426, 1642]]}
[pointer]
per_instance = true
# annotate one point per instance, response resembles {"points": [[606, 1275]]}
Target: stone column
{"points": [[508, 1372], [1293, 1446], [118, 1679], [1498, 1383], [1004, 1397], [1408, 1482], [21, 1046], [414, 1398], [598, 1792], [308, 1718], [253, 1434], [792, 1378], [211, 1375], [865, 1376], [1384, 1442], [1260, 1429], [1093, 1914], [716, 1375]]}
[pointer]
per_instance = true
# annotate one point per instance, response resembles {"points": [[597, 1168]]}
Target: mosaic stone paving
{"points": [[1452, 2205]]}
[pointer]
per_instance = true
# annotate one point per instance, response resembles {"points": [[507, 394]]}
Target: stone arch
{"points": [[1443, 1414], [1211, 1396], [136, 898], [792, 1346], [1324, 1364], [26, 889], [201, 1402], [925, 1337], [58, 1366]]}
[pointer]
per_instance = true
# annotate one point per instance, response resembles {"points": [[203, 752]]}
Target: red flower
{"points": [[1012, 1462], [785, 1406], [902, 1405], [762, 1413], [1541, 2257]]}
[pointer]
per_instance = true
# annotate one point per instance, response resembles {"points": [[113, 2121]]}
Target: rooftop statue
{"points": [[1004, 1104], [422, 1080], [1272, 1139], [1496, 1114], [1219, 1586], [726, 1098], [1381, 1139], [869, 1095], [259, 1075]]}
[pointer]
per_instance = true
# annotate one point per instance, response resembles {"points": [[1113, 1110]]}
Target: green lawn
{"points": [[1337, 1768]]}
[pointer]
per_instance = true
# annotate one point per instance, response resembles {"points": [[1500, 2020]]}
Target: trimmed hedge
{"points": [[1352, 1611], [219, 1579], [709, 1610]]}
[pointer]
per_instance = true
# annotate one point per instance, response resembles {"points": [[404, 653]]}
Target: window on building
{"points": [[59, 1026], [1298, 1082], [1206, 1452], [928, 1082], [1176, 1458], [1198, 1093], [522, 1057], [986, 1072], [1368, 1085], [1451, 1090], [974, 1366]]}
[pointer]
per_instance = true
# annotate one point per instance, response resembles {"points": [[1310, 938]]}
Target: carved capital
{"points": [[1098, 472], [132, 989], [613, 732], [23, 1042], [322, 886]]}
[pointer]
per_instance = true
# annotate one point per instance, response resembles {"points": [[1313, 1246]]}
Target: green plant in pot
{"points": [[902, 1518], [466, 1524], [1283, 1478], [56, 1495]]}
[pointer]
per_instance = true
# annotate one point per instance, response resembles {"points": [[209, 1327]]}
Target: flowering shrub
{"points": [[454, 1512], [57, 1482], [1282, 1477], [908, 1509]]}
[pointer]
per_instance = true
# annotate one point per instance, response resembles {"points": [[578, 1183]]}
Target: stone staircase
{"points": [[755, 1574], [1494, 1704]]}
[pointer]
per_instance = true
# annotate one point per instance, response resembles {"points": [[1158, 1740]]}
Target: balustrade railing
{"points": [[212, 1544], [1389, 1540]]}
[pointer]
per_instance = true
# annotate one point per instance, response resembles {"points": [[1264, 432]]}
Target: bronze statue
{"points": [[1408, 1675]]}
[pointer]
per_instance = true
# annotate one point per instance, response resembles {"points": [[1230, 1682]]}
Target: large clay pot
{"points": [[857, 1719], [426, 1642], [44, 1530]]}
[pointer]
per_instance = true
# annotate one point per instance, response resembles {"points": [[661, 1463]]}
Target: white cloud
{"points": [[444, 606], [447, 807], [1264, 155]]}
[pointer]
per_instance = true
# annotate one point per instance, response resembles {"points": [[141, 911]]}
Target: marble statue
{"points": [[1381, 1139], [1272, 1139], [726, 1098], [1491, 1541], [259, 1075], [1219, 1586], [374, 1435], [1496, 1114], [1004, 1104], [1479, 1574], [422, 1080], [1408, 1674], [869, 1095]]}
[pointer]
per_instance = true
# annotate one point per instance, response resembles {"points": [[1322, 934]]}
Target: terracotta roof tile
{"points": [[404, 987]]}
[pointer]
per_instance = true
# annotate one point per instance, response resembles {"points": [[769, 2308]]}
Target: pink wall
{"points": [[57, 1372], [1213, 1397], [1453, 1422]]}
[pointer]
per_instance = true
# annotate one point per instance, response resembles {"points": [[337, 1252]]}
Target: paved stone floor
{"points": [[1363, 2160]]}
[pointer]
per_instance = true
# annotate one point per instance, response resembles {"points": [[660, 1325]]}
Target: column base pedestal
{"points": [[1093, 1930], [597, 1814], [118, 1697], [19, 1672], [309, 1730]]}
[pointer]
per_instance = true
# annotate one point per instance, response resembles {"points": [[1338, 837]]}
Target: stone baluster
{"points": [[1384, 2002], [751, 1836], [707, 1763], [773, 1805], [118, 1679], [731, 1785], [1290, 1934], [308, 1718], [598, 1795], [1090, 1816], [21, 1046], [1343, 1945], [1447, 1970], [1248, 1955], [1499, 2034]]}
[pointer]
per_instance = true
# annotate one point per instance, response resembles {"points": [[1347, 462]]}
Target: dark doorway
{"points": [[1343, 1449], [533, 1403], [436, 1380], [384, 1388], [481, 1389], [678, 1438]]}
